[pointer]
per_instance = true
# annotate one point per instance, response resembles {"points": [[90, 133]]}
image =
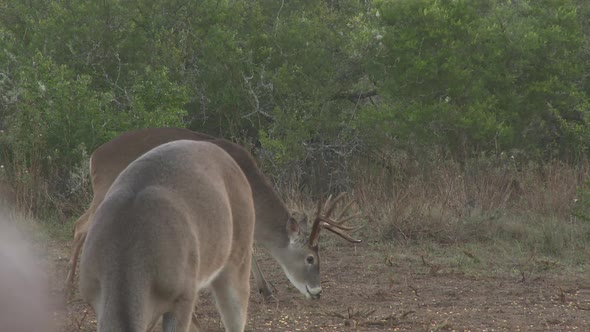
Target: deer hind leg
{"points": [[178, 320], [72, 265], [79, 238], [231, 290]]}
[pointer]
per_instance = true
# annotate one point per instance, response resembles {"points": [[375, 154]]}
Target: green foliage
{"points": [[315, 83], [474, 76], [56, 118], [155, 102], [582, 202], [277, 150], [55, 115], [51, 120]]}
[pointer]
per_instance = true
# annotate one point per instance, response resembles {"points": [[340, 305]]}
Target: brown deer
{"points": [[177, 219], [283, 235]]}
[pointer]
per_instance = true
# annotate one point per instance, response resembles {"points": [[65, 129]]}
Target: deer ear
{"points": [[293, 229], [304, 219], [301, 220]]}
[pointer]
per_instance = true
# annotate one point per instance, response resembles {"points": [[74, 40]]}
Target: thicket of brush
{"points": [[449, 120]]}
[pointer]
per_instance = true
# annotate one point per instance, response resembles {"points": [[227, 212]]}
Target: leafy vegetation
{"points": [[332, 95]]}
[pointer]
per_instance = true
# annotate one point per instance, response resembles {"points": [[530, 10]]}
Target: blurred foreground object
{"points": [[23, 291]]}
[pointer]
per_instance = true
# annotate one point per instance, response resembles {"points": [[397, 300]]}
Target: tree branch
{"points": [[355, 96]]}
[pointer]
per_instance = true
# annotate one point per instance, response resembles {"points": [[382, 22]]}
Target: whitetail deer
{"points": [[282, 234], [177, 219]]}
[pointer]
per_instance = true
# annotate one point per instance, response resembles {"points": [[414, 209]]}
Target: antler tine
{"points": [[347, 218], [339, 225], [323, 220], [341, 220], [327, 203], [340, 233], [330, 208]]}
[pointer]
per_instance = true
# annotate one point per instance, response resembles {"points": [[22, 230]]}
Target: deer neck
{"points": [[271, 213], [271, 216]]}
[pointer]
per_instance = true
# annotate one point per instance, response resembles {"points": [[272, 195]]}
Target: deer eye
{"points": [[310, 260]]}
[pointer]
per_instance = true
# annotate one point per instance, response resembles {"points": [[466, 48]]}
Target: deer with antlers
{"points": [[276, 229]]}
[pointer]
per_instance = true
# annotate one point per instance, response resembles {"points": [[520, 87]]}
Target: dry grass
{"points": [[482, 200], [440, 244], [487, 203]]}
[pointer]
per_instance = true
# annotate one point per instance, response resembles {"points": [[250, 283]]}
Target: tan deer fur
{"points": [[177, 219]]}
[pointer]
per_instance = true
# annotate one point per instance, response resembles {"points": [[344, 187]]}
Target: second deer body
{"points": [[177, 219]]}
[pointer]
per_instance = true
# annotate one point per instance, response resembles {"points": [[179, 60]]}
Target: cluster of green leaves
{"points": [[311, 82], [76, 74], [484, 76]]}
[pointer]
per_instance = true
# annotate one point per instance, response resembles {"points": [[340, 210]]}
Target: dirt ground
{"points": [[370, 288]]}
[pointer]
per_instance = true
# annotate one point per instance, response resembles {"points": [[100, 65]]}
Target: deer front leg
{"points": [[261, 283], [231, 290]]}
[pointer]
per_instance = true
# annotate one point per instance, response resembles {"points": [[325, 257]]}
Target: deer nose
{"points": [[318, 294], [315, 292]]}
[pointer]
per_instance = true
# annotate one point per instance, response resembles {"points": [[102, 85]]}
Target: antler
{"points": [[336, 225]]}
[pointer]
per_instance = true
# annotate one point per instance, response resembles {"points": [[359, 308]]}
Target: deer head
{"points": [[300, 260]]}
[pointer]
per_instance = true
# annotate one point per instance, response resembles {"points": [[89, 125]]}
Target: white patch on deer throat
{"points": [[300, 286]]}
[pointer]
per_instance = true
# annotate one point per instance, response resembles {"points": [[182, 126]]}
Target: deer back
{"points": [[170, 222]]}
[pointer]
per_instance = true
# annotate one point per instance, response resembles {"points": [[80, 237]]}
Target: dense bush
{"points": [[317, 86], [483, 76]]}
